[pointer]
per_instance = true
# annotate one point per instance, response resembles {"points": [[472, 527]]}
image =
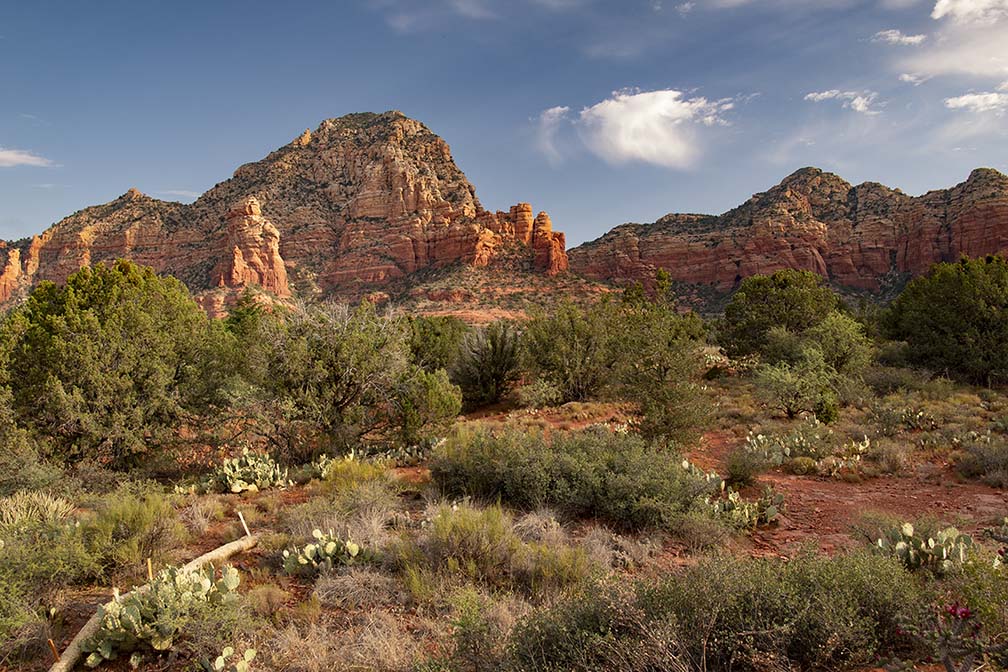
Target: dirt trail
{"points": [[820, 512]]}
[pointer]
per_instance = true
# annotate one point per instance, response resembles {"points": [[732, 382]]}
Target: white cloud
{"points": [[10, 158], [473, 9], [913, 78], [979, 102], [548, 124], [657, 127], [970, 10], [685, 7], [859, 101], [893, 36], [1003, 86]]}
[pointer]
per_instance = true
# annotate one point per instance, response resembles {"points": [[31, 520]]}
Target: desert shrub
{"points": [[885, 380], [659, 368], [331, 377], [805, 387], [487, 364], [21, 467], [617, 477], [131, 524], [424, 405], [108, 364], [434, 341], [573, 350], [480, 544], [349, 472], [538, 394], [984, 456], [955, 319], [809, 613], [744, 465], [792, 300], [843, 343]]}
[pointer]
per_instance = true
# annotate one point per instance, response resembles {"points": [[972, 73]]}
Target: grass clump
{"points": [[482, 546], [620, 478]]}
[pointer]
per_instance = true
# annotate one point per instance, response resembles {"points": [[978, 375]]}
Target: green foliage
{"points": [[425, 403], [955, 319], [107, 364], [435, 341], [805, 387], [250, 472], [326, 552], [573, 350], [620, 478], [487, 364], [152, 615], [329, 378], [788, 299], [843, 343], [943, 552], [129, 525]]}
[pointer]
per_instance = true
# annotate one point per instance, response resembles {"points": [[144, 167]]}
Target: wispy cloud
{"points": [[859, 101], [913, 78], [894, 36], [547, 126], [9, 158], [180, 193]]}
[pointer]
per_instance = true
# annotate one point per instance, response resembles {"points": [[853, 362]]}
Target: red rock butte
{"points": [[362, 201], [864, 237]]}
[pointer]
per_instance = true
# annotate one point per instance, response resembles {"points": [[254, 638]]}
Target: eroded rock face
{"points": [[856, 236], [255, 252], [360, 201]]}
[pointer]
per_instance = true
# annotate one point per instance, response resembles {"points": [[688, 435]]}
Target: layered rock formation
{"points": [[859, 237], [360, 201]]}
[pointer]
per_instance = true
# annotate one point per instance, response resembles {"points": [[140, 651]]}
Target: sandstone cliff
{"points": [[861, 237], [361, 201]]}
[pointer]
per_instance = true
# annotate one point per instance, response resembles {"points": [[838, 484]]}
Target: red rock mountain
{"points": [[865, 237], [361, 201]]}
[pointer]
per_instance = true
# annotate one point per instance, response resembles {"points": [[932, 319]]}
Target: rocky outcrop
{"points": [[359, 202], [859, 237], [255, 251]]}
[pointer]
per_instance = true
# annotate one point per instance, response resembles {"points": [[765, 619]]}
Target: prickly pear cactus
{"points": [[153, 617], [946, 551], [248, 472], [325, 552]]}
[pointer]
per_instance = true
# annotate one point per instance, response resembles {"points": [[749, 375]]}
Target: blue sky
{"points": [[599, 112]]}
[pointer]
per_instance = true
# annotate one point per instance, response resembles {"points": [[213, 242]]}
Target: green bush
{"points": [[487, 364], [791, 300], [108, 365], [811, 612], [575, 351], [984, 456], [955, 319], [805, 387], [424, 405], [129, 525], [620, 478], [434, 341], [331, 378]]}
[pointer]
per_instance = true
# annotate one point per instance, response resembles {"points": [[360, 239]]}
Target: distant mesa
{"points": [[867, 237], [362, 201]]}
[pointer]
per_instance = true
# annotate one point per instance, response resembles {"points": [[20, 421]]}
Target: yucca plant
{"points": [[487, 364]]}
